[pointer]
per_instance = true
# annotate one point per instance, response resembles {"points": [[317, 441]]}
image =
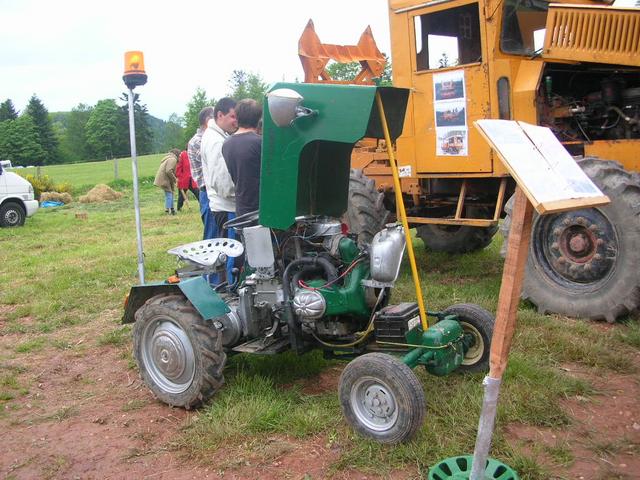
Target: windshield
{"points": [[523, 26]]}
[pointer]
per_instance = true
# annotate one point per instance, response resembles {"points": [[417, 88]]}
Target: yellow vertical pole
{"points": [[402, 212]]}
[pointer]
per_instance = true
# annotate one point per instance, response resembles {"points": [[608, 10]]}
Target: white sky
{"points": [[68, 51]]}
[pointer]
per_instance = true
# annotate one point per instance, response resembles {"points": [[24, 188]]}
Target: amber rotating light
{"points": [[134, 74]]}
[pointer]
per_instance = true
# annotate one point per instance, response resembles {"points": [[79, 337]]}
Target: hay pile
{"points": [[56, 197], [100, 193]]}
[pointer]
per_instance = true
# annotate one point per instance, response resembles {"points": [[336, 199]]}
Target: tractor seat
{"points": [[208, 253]]}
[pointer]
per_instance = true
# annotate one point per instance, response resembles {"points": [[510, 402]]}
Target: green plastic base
{"points": [[459, 468]]}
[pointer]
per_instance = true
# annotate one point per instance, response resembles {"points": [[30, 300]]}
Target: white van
{"points": [[16, 199]]}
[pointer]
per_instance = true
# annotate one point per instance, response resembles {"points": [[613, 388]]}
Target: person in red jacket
{"points": [[185, 182]]}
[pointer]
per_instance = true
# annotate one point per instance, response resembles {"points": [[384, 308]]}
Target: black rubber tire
{"points": [[204, 339], [395, 382], [12, 215], [615, 289], [366, 214], [478, 322], [455, 239]]}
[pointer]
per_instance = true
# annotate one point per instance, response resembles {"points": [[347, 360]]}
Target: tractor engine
{"points": [[318, 278], [599, 106]]}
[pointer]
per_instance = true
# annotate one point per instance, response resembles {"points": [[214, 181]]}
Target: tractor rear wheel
{"points": [[477, 322], [456, 238], [584, 263], [366, 214], [381, 398], [179, 355]]}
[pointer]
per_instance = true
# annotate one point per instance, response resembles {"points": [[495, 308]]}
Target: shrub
{"points": [[45, 183]]}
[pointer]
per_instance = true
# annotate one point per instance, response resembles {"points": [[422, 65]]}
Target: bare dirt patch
{"points": [[603, 441], [80, 411]]}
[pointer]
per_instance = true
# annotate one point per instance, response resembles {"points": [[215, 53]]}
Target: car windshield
{"points": [[523, 26]]}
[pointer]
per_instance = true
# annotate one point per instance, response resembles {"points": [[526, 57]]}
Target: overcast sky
{"points": [[68, 52]]}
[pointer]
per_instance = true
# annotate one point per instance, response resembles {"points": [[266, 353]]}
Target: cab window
{"points": [[523, 26], [448, 38]]}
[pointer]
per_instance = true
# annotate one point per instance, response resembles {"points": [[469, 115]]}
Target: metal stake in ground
{"points": [[135, 75]]}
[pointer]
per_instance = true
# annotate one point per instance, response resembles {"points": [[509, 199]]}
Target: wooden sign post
{"points": [[549, 180]]}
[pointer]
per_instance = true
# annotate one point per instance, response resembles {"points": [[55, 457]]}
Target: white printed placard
{"points": [[450, 113], [404, 171]]}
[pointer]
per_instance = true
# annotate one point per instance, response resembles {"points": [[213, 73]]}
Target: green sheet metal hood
{"points": [[305, 166]]}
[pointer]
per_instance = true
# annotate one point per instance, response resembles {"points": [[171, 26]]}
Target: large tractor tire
{"points": [[382, 398], [179, 355], [455, 238], [366, 214], [584, 263]]}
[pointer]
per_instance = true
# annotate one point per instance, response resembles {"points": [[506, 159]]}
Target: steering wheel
{"points": [[245, 220]]}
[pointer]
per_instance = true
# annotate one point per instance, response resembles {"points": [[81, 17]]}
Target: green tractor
{"points": [[307, 283]]}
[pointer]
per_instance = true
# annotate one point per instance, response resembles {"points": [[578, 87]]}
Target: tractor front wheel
{"points": [[381, 398], [179, 355], [478, 323]]}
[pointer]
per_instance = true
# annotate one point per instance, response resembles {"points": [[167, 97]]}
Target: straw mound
{"points": [[100, 193], [56, 197]]}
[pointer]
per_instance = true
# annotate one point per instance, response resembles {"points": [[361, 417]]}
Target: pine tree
{"points": [[37, 111], [20, 142], [7, 111], [191, 122]]}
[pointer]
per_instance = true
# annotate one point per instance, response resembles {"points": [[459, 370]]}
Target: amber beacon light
{"points": [[134, 74]]}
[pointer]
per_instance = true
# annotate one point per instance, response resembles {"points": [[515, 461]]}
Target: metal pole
{"points": [[136, 202], [485, 427], [403, 214]]}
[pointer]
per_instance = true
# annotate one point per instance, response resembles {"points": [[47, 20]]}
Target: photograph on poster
{"points": [[451, 141], [451, 114], [449, 85]]}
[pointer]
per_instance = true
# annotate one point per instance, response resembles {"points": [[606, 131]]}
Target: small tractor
{"points": [[306, 283], [572, 66]]}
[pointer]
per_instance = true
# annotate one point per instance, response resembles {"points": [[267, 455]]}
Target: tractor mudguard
{"points": [[197, 290]]}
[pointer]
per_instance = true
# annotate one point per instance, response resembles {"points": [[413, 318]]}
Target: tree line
{"points": [[99, 132]]}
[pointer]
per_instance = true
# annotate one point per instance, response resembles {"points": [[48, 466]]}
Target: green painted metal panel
{"points": [[305, 166], [197, 290], [208, 303]]}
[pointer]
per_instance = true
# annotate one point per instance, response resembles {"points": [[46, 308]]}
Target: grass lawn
{"points": [[81, 175], [61, 270]]}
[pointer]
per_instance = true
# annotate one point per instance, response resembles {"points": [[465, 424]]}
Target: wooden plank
{"points": [[469, 222], [512, 278], [572, 204]]}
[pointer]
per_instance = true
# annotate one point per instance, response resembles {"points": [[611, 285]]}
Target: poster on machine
{"points": [[450, 113]]}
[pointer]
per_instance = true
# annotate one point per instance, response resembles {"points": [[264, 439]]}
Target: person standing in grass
{"points": [[166, 178], [195, 162], [186, 183], [219, 184]]}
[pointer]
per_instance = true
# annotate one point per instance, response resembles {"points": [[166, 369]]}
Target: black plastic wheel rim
{"points": [[577, 249]]}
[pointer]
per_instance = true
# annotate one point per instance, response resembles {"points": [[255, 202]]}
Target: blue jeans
{"points": [[168, 200], [219, 218], [210, 227]]}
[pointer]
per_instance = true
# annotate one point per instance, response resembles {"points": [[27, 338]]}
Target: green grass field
{"points": [[81, 175], [63, 271]]}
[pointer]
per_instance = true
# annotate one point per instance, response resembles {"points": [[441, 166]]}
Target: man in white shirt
{"points": [[216, 177]]}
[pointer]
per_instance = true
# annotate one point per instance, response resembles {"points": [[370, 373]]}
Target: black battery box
{"points": [[394, 321]]}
